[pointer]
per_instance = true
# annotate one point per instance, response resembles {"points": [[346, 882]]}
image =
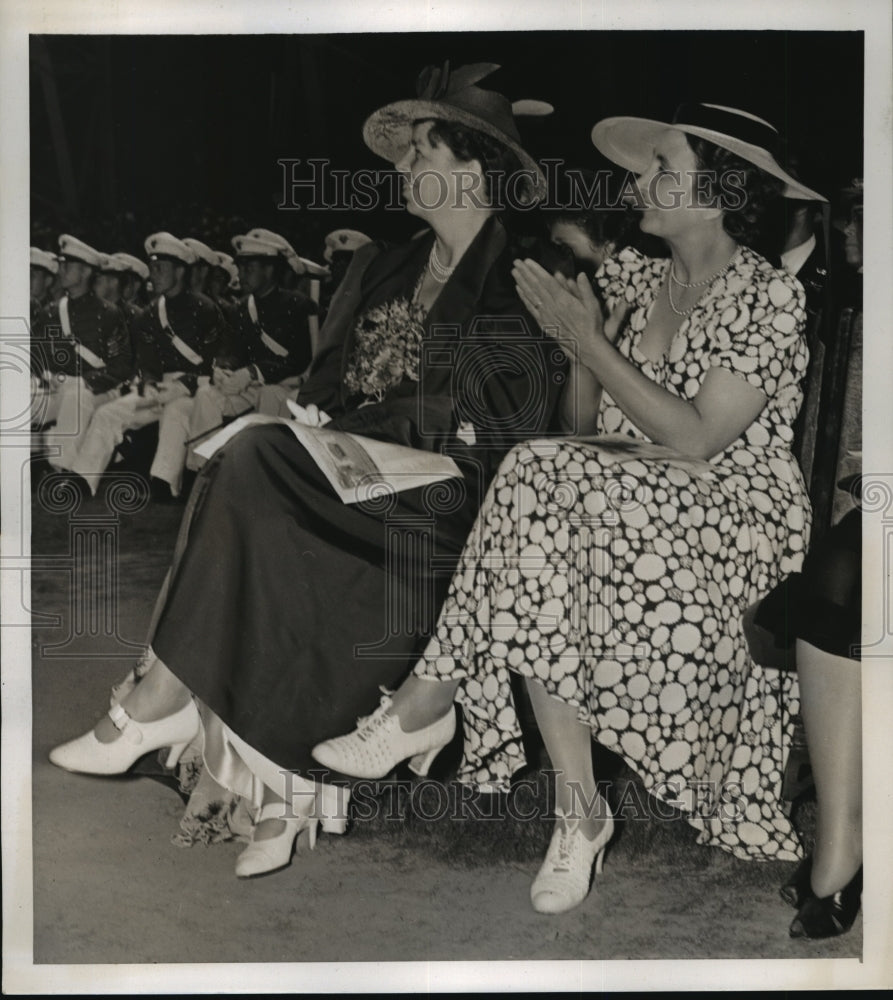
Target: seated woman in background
{"points": [[588, 230], [821, 608], [612, 573], [278, 589]]}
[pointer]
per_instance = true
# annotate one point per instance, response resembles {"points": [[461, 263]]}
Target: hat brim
{"points": [[388, 133], [78, 260], [169, 256], [629, 142]]}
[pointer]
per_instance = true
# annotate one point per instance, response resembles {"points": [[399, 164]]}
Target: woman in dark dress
{"points": [[285, 609]]}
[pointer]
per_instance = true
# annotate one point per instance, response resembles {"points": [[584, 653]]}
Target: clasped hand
{"points": [[231, 383], [567, 310], [155, 396], [310, 415]]}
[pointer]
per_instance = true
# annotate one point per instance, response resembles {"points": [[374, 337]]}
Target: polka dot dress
{"points": [[615, 572]]}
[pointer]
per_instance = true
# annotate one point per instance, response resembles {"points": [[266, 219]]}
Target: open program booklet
{"points": [[359, 468], [630, 448]]}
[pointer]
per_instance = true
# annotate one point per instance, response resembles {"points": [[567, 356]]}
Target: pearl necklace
{"points": [[439, 272], [694, 284]]}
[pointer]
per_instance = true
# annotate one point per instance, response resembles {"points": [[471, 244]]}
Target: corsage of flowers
{"points": [[386, 349]]}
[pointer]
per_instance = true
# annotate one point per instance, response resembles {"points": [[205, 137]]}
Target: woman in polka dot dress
{"points": [[611, 569]]}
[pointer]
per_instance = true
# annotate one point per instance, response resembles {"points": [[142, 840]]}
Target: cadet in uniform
{"points": [[177, 336], [88, 354], [114, 272], [205, 259], [270, 347], [132, 273], [223, 287], [133, 281], [44, 268]]}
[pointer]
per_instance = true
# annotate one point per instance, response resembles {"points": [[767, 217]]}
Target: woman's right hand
{"points": [[566, 309], [581, 288]]}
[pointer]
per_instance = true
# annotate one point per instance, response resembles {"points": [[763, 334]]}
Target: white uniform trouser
{"points": [[272, 397], [173, 433], [72, 405], [128, 413], [212, 406]]}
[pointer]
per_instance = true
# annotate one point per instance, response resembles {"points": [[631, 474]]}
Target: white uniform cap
{"points": [[69, 246], [314, 269], [132, 264], [226, 263], [344, 239], [41, 258], [110, 263], [166, 245], [202, 250], [263, 243]]}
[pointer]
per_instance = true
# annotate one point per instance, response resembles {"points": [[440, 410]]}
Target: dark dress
{"points": [[287, 609], [822, 604]]}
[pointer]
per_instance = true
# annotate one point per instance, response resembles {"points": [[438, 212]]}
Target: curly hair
{"points": [[602, 226], [498, 163], [746, 194]]}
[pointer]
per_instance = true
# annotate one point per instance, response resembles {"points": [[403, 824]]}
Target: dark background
{"points": [[130, 135]]}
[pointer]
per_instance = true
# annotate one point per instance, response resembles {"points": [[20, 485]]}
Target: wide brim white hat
{"points": [[629, 142]]}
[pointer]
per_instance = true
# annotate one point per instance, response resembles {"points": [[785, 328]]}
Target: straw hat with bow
{"points": [[630, 142]]}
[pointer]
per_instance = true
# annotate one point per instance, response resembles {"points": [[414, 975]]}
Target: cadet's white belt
{"points": [[181, 345], [94, 360], [271, 344]]}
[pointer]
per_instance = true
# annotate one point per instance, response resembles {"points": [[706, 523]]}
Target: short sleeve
{"points": [[759, 333], [620, 278]]}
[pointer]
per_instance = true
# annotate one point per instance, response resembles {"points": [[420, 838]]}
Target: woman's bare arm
{"points": [[725, 406]]}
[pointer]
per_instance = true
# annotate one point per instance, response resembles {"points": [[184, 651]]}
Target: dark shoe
{"points": [[797, 889], [830, 916]]}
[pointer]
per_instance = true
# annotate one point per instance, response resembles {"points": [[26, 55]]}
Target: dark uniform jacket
{"points": [[282, 315], [39, 354], [97, 326], [191, 317], [228, 308], [129, 311]]}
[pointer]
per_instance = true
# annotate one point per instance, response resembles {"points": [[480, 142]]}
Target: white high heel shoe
{"points": [[87, 755], [564, 878], [378, 744], [261, 857]]}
